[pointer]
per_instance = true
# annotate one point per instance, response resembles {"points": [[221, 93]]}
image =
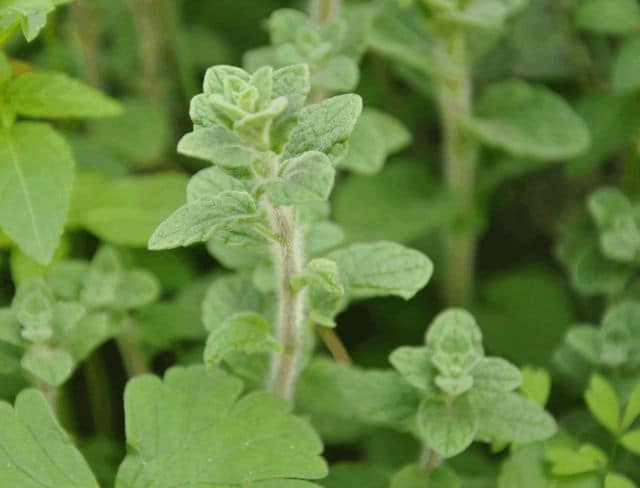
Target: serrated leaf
{"points": [[53, 366], [196, 221], [631, 441], [245, 332], [220, 146], [626, 66], [303, 179], [35, 159], [632, 408], [325, 127], [607, 16], [322, 273], [227, 296], [36, 452], [602, 401], [126, 211], [528, 120], [212, 181], [447, 428], [414, 364], [512, 418], [191, 426], [382, 268], [55, 95], [495, 375]]}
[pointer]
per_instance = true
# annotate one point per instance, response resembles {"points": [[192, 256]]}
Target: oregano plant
{"points": [[218, 221]]}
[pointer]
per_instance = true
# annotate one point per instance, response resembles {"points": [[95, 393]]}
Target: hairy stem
{"points": [[460, 157], [323, 10], [288, 260], [333, 343]]}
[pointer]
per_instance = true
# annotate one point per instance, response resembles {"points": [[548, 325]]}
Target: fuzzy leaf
{"points": [[303, 179], [220, 146], [35, 159], [212, 181], [602, 401], [55, 95], [325, 127], [528, 120], [450, 428], [380, 269], [36, 452], [196, 221], [34, 307], [244, 332], [495, 375], [196, 428], [322, 273], [227, 296], [414, 364], [53, 366]]}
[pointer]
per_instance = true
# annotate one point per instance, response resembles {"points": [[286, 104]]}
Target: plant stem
{"points": [[460, 157], [134, 361], [323, 10], [97, 381], [49, 392], [429, 461], [333, 343], [288, 260]]}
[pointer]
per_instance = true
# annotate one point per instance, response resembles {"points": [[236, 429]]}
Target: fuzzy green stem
{"points": [[323, 10], [288, 260], [460, 154]]}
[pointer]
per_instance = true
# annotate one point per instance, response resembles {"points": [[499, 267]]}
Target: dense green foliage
{"points": [[337, 243]]}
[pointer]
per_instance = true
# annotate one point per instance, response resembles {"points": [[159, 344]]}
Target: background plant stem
{"points": [[134, 361], [460, 153], [333, 343], [288, 260], [323, 10]]}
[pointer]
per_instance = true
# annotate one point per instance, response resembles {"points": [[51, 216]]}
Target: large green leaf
{"points": [[607, 16], [193, 428], [528, 120], [36, 174], [50, 94], [35, 451]]}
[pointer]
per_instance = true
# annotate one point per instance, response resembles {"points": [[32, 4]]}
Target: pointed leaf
{"points": [[220, 146], [603, 403]]}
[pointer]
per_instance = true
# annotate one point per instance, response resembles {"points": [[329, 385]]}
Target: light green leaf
{"points": [[192, 426], [53, 366], [528, 120], [495, 375], [615, 480], [88, 334], [632, 408], [303, 179], [383, 268], [323, 306], [36, 452], [54, 95], [524, 468], [66, 278], [376, 136], [447, 428], [325, 127], [607, 16], [136, 289], [31, 14], [102, 278], [483, 14], [567, 461], [320, 272], [626, 68], [126, 211], [196, 221], [230, 295], [631, 441], [414, 364], [603, 403], [220, 146], [212, 181], [512, 418], [536, 384], [245, 332], [34, 307], [35, 159]]}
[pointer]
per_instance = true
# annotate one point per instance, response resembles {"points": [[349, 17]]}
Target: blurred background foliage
{"points": [[151, 55]]}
